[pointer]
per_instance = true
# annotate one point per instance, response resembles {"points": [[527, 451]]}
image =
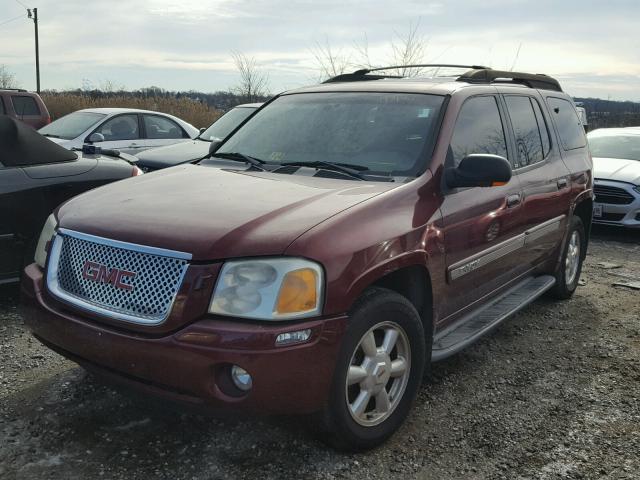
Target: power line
{"points": [[22, 4], [12, 19]]}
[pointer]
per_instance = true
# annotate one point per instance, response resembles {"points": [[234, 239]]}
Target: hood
{"points": [[59, 141], [162, 157], [213, 213], [617, 169]]}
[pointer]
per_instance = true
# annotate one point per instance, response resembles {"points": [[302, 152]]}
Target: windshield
{"points": [[615, 146], [222, 127], [385, 133], [72, 125]]}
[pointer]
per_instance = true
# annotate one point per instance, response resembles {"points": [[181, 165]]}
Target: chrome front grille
{"points": [[120, 280]]}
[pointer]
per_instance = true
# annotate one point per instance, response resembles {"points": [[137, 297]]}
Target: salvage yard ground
{"points": [[553, 393]]}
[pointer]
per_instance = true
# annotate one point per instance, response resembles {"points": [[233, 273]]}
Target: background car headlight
{"points": [[48, 231], [637, 188], [269, 289]]}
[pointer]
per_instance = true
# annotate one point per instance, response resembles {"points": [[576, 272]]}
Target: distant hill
{"points": [[610, 113]]}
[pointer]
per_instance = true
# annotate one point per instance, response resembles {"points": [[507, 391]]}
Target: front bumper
{"points": [[190, 364], [624, 215]]}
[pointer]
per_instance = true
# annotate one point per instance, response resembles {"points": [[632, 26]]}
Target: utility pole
{"points": [[35, 24]]}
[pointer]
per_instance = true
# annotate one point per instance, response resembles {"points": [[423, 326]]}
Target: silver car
{"points": [[126, 129], [616, 167]]}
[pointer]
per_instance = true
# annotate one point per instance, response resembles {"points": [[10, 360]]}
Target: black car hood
{"points": [[163, 157]]}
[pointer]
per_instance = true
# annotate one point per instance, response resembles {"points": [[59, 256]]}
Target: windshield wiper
{"points": [[241, 157], [351, 170]]}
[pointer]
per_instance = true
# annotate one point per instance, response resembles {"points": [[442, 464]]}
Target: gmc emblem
{"points": [[102, 274]]}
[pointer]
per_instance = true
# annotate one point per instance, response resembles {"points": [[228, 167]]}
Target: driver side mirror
{"points": [[213, 146], [479, 170], [95, 138]]}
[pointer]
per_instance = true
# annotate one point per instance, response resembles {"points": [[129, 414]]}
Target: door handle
{"points": [[513, 200], [562, 183]]}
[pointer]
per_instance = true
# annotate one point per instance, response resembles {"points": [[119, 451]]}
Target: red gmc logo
{"points": [[102, 274]]}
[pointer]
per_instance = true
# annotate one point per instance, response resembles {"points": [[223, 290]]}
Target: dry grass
{"points": [[196, 113]]}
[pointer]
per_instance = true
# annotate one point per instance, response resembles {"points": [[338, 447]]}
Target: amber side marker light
{"points": [[298, 292], [498, 184]]}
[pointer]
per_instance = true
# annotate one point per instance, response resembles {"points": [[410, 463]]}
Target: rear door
{"points": [[546, 191], [483, 234], [160, 131]]}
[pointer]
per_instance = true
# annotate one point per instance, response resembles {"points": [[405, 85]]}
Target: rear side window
{"points": [[542, 126], [525, 128], [24, 105], [567, 122], [161, 127], [478, 130]]}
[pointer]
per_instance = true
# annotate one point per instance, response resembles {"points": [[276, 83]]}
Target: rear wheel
{"points": [[570, 267], [378, 372]]}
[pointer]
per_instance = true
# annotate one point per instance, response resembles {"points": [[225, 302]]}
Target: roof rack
{"points": [[14, 89], [476, 74], [532, 80], [362, 75]]}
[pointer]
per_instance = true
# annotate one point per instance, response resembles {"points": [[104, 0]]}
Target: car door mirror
{"points": [[213, 146], [479, 170], [95, 138], [202, 130]]}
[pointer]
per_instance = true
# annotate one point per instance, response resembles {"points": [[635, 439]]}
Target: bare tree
{"points": [[362, 51], [409, 49], [330, 62], [7, 79], [254, 84]]}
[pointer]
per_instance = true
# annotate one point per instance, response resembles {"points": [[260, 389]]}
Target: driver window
{"points": [[122, 127], [478, 130]]}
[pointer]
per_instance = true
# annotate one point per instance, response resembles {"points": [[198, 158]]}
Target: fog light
{"points": [[241, 378], [293, 337]]}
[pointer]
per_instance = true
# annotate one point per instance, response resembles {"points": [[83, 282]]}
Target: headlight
{"points": [[269, 289], [637, 188], [48, 231]]}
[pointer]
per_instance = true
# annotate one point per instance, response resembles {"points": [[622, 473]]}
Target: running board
{"points": [[480, 322]]}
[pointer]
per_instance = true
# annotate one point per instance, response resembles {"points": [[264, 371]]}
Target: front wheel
{"points": [[570, 267], [378, 372]]}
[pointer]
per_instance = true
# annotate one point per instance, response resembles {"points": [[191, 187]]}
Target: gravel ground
{"points": [[553, 393]]}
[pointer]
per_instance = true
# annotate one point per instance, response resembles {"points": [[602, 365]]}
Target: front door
{"points": [[122, 133], [483, 231]]}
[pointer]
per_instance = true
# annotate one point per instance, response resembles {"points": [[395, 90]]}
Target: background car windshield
{"points": [[618, 146], [72, 125], [226, 124], [388, 133]]}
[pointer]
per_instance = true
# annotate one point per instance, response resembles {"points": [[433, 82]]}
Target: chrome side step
{"points": [[480, 322]]}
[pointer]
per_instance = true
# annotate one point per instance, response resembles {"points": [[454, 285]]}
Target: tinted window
{"points": [[615, 146], [3, 110], [525, 128], [24, 105], [161, 127], [387, 133], [567, 122], [226, 124], [542, 126], [122, 127], [478, 130], [72, 125]]}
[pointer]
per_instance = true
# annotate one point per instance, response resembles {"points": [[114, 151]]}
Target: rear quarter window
{"points": [[567, 123], [24, 105]]}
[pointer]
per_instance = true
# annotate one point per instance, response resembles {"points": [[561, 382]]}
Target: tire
{"points": [[566, 277], [397, 371]]}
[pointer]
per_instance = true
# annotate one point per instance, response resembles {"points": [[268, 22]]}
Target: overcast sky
{"points": [[593, 47]]}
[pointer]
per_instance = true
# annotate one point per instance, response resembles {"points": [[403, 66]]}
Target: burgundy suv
{"points": [[25, 106], [342, 239]]}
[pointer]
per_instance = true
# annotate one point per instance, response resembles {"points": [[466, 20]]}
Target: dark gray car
{"points": [[171, 155]]}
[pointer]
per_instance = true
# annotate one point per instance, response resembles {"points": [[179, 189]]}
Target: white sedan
{"points": [[126, 129]]}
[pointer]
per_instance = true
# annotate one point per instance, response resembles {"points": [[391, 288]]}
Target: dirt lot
{"points": [[553, 393]]}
